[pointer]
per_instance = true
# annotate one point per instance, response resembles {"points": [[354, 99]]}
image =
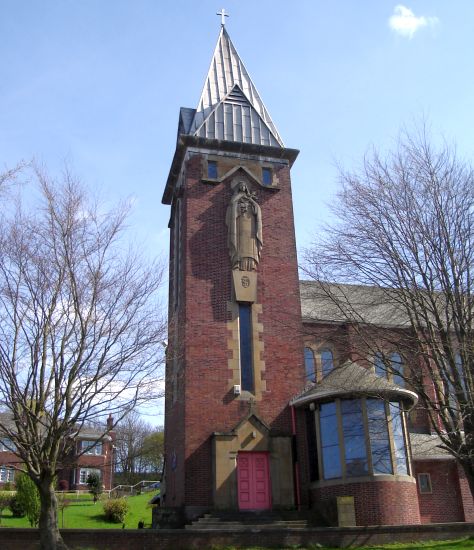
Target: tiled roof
{"points": [[332, 302], [428, 447], [350, 379]]}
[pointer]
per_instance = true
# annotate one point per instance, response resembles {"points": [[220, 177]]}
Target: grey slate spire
{"points": [[230, 108]]}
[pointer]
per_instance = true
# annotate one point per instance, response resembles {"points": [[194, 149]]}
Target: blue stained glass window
{"points": [[212, 169], [266, 176], [354, 438], [398, 438], [379, 438], [309, 364], [327, 362], [246, 359], [330, 441]]}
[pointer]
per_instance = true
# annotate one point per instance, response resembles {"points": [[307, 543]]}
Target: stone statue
{"points": [[244, 223]]}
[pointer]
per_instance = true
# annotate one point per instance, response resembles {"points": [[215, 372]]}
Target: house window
{"points": [[362, 428], [327, 362], [85, 472], [6, 474], [91, 447], [309, 364], [267, 178], [6, 445], [246, 349], [424, 483], [212, 169]]}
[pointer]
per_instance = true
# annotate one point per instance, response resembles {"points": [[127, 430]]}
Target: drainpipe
{"points": [[295, 460]]}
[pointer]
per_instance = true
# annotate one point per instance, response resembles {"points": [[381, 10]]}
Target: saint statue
{"points": [[244, 223]]}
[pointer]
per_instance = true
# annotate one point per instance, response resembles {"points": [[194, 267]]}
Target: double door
{"points": [[253, 481]]}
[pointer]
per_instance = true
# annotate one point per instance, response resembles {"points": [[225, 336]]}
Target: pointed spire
{"points": [[230, 108]]}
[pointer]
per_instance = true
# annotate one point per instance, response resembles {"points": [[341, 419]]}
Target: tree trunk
{"points": [[50, 537]]}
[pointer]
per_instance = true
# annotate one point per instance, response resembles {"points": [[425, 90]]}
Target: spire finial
{"points": [[223, 15]]}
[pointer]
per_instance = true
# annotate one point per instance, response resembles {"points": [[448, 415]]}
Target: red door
{"points": [[253, 481]]}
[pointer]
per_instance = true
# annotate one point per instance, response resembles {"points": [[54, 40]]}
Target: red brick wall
{"points": [[209, 405], [377, 502], [466, 496]]}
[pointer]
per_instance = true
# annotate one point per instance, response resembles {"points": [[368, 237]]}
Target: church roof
{"points": [[351, 379], [230, 107]]}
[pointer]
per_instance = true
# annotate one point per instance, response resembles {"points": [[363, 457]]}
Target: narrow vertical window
{"points": [[246, 352], [212, 169], [267, 176], [380, 369], [396, 367], [327, 362], [399, 438], [309, 364], [330, 441], [379, 438], [354, 438]]}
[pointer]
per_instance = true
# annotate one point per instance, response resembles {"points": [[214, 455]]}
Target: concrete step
{"points": [[240, 521]]}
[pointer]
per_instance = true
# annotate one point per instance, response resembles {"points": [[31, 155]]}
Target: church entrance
{"points": [[253, 481]]}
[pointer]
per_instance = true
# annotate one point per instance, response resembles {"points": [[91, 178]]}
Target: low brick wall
{"points": [[150, 539]]}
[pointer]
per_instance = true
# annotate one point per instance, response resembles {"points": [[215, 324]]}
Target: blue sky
{"points": [[99, 84]]}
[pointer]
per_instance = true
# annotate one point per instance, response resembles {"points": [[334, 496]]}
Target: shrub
{"points": [[115, 510], [16, 508], [95, 486], [4, 502], [28, 497]]}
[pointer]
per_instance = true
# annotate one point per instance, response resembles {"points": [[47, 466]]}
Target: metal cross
{"points": [[223, 15]]}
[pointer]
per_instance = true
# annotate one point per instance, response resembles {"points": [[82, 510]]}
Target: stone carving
{"points": [[244, 224]]}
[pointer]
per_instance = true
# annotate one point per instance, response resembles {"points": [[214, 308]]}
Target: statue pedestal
{"points": [[245, 285]]}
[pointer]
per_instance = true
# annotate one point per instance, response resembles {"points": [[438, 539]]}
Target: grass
{"points": [[82, 513]]}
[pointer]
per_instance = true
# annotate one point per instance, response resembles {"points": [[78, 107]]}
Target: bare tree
{"points": [[135, 454], [80, 328], [404, 236]]}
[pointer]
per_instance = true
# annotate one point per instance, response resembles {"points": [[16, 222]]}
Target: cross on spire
{"points": [[223, 15]]}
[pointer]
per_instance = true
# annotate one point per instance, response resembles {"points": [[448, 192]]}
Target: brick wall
{"points": [[113, 539], [377, 502], [444, 503], [208, 402]]}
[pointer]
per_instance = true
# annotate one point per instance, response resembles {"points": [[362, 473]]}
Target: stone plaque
{"points": [[245, 285]]}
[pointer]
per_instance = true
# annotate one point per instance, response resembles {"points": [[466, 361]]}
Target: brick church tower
{"points": [[235, 357]]}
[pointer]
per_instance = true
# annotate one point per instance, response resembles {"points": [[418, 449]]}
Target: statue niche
{"points": [[244, 224]]}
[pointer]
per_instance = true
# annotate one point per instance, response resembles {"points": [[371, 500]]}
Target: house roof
{"points": [[350, 379], [230, 107], [339, 303]]}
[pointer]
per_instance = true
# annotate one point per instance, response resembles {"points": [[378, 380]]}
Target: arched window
{"points": [[309, 364], [380, 369], [327, 362]]}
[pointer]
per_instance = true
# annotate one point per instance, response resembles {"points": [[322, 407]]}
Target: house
{"points": [[272, 400], [94, 453]]}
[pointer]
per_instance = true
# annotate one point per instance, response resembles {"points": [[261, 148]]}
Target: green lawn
{"points": [[82, 513]]}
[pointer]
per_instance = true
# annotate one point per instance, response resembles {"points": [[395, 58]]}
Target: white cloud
{"points": [[406, 23]]}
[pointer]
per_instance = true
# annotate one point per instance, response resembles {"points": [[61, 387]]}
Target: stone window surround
{"points": [[317, 349], [233, 345]]}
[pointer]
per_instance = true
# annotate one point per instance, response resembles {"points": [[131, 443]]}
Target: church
{"points": [[270, 404]]}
